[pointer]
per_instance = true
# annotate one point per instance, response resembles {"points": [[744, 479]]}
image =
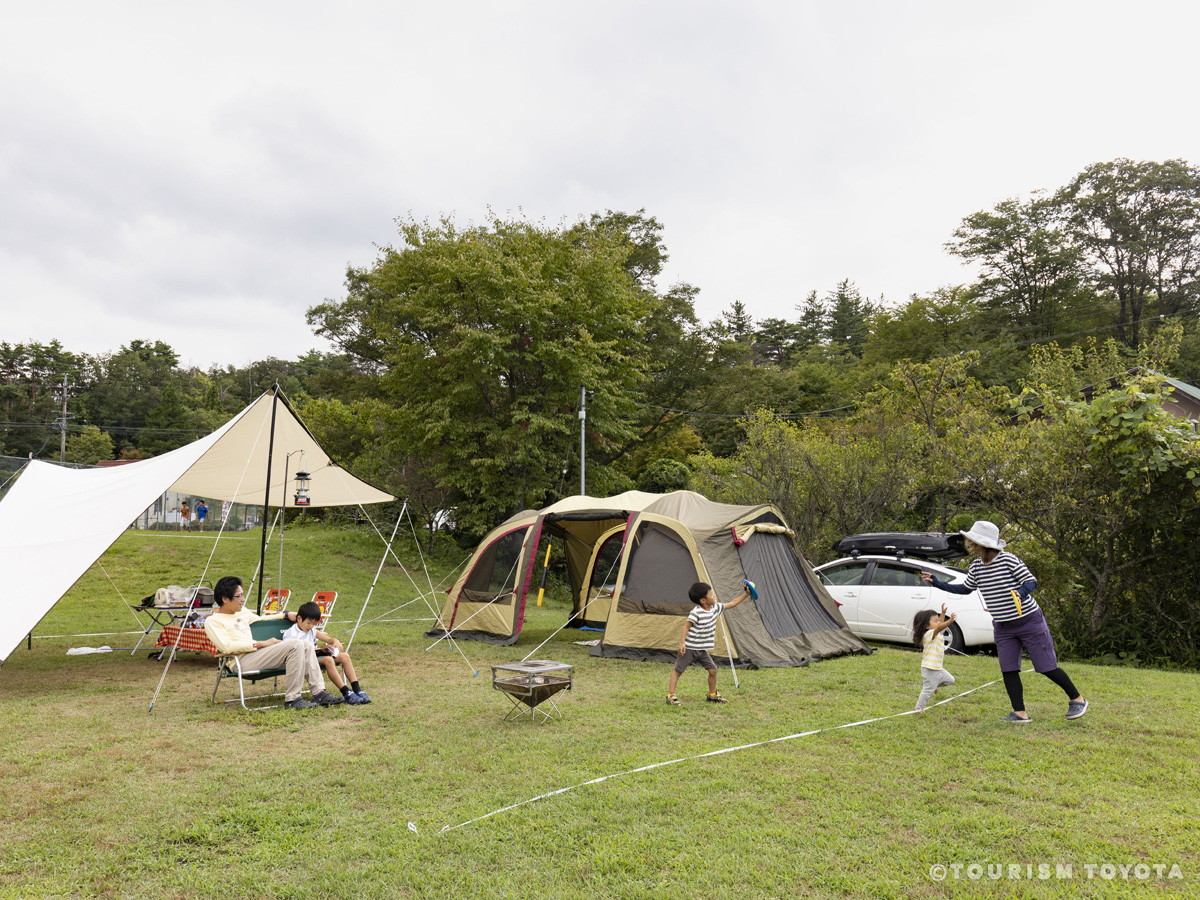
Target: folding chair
{"points": [[325, 600], [230, 666], [277, 601]]}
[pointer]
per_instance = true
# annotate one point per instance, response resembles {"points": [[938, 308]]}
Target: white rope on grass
{"points": [[721, 752]]}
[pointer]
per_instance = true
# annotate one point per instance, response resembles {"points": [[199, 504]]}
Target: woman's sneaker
{"points": [[1013, 717]]}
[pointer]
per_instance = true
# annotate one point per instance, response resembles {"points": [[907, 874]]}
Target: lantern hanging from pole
{"points": [[302, 480]]}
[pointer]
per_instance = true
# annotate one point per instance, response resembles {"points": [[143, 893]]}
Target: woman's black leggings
{"points": [[1016, 693]]}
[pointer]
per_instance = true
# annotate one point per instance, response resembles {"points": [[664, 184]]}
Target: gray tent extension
{"points": [[630, 561]]}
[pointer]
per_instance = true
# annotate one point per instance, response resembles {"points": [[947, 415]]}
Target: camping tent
{"points": [[55, 522], [630, 560]]}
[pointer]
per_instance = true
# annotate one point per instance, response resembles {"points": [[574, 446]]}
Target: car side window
{"points": [[896, 576], [850, 573]]}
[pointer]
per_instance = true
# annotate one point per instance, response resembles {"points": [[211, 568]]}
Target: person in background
{"points": [[201, 513], [185, 516]]}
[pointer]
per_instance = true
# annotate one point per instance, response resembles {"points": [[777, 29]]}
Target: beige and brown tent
{"points": [[630, 561]]}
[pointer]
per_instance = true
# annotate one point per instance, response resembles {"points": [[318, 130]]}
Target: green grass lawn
{"points": [[102, 798]]}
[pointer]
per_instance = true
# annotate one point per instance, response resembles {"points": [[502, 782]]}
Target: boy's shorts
{"points": [[323, 651], [687, 657], [1031, 633]]}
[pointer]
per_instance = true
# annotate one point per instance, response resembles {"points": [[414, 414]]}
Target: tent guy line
{"points": [[683, 759]]}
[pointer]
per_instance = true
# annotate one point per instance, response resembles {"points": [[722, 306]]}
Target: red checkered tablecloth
{"points": [[192, 639]]}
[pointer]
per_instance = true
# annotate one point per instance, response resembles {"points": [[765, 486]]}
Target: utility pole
{"points": [[62, 446], [583, 440]]}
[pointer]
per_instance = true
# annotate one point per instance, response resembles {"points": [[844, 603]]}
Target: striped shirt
{"points": [[996, 581], [934, 651], [702, 635]]}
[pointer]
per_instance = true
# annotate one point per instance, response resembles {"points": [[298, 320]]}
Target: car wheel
{"points": [[955, 643]]}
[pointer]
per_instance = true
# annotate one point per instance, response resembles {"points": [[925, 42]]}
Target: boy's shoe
{"points": [[324, 698], [351, 699], [1013, 717], [672, 700], [1076, 709], [716, 698], [920, 709], [362, 697], [300, 703]]}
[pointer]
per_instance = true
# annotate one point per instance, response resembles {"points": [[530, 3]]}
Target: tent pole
{"points": [[262, 553], [386, 550]]}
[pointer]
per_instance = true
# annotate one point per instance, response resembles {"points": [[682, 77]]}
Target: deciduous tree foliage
{"points": [[487, 334]]}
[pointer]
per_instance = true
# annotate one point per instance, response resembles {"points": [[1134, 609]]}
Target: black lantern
{"points": [[302, 480]]}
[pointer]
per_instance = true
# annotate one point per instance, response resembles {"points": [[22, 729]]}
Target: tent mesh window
{"points": [[659, 572], [493, 578], [786, 601], [605, 568]]}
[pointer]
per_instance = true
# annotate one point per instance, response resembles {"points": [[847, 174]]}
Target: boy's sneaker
{"points": [[1013, 717], [1076, 709], [351, 698], [716, 698], [301, 703], [362, 697], [324, 698], [672, 700]]}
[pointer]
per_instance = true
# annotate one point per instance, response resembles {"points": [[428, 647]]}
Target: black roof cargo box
{"points": [[931, 545]]}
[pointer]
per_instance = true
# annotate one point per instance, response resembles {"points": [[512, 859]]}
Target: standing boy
{"points": [[201, 513], [699, 636]]}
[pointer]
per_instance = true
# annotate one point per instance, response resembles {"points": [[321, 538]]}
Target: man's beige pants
{"points": [[299, 657]]}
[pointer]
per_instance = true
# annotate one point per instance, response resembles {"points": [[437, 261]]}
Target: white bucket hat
{"points": [[985, 534]]}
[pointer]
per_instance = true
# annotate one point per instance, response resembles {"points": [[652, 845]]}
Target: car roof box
{"points": [[923, 545]]}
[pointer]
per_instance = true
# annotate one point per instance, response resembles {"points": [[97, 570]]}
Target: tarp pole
{"points": [[262, 553], [386, 550]]}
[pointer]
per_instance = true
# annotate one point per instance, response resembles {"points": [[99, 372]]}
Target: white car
{"points": [[879, 595]]}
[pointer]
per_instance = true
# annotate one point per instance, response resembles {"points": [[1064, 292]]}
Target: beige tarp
{"points": [[55, 522]]}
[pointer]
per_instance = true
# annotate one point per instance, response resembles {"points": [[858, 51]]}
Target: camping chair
{"points": [[277, 601], [325, 600], [230, 665]]}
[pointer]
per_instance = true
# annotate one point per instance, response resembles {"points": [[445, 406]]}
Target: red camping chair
{"points": [[277, 601], [325, 600]]}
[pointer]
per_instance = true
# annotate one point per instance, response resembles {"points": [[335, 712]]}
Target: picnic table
{"points": [[195, 639]]}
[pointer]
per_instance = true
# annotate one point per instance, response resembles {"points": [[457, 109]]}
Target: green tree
{"points": [[813, 327], [663, 476], [849, 315], [1138, 224], [1031, 273], [89, 446], [487, 334]]}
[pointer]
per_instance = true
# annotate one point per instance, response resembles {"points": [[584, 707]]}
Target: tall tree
{"points": [[1030, 271], [849, 315], [1138, 223], [487, 334]]}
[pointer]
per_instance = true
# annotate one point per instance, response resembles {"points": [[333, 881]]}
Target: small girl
{"points": [[927, 628]]}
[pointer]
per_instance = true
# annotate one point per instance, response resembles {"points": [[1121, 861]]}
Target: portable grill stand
{"points": [[531, 683]]}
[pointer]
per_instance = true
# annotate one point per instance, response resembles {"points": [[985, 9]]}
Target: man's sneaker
{"points": [[362, 697], [672, 700], [1013, 717], [351, 698], [716, 698], [301, 703], [324, 698], [1076, 709]]}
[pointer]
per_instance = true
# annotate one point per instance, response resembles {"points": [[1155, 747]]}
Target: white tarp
{"points": [[55, 522]]}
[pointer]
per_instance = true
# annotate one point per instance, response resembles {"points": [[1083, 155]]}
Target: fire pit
{"points": [[531, 683]]}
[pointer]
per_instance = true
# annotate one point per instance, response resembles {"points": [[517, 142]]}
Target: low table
{"points": [[530, 683], [196, 639]]}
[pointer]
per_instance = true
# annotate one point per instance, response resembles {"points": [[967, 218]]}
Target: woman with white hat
{"points": [[1007, 586]]}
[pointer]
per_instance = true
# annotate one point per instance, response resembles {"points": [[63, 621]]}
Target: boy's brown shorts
{"points": [[687, 657]]}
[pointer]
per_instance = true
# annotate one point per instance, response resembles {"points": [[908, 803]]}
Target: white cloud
{"points": [[202, 175]]}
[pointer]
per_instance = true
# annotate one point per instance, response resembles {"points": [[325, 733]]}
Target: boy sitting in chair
{"points": [[308, 616]]}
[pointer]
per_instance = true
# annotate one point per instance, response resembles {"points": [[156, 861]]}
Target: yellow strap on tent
{"points": [[545, 568]]}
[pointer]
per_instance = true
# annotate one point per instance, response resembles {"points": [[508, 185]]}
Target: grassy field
{"points": [[100, 797]]}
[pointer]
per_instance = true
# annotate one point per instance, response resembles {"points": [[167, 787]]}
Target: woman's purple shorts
{"points": [[1031, 633]]}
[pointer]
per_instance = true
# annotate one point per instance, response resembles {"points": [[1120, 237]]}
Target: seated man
{"points": [[229, 630]]}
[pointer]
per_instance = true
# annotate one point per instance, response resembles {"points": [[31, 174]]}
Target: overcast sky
{"points": [[201, 174]]}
